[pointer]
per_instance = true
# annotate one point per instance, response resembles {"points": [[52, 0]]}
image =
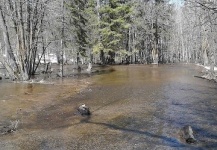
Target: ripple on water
{"points": [[133, 107]]}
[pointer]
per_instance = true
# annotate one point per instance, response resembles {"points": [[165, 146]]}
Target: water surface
{"points": [[133, 107]]}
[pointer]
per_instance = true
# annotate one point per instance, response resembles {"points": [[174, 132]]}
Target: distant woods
{"points": [[35, 32], [194, 37]]}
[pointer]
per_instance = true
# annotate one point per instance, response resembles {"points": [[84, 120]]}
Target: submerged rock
{"points": [[84, 110], [188, 135], [10, 128]]}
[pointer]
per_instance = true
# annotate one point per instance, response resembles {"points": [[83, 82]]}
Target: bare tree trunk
{"points": [[155, 54], [7, 40], [27, 18], [10, 63]]}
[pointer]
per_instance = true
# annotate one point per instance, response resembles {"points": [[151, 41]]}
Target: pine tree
{"points": [[79, 22], [152, 26], [92, 28], [114, 24]]}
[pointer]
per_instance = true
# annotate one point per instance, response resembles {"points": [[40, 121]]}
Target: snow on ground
{"points": [[207, 67]]}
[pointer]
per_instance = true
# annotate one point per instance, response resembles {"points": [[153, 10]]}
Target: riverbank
{"points": [[206, 73], [53, 73]]}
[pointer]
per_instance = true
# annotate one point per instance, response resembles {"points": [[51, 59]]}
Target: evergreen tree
{"points": [[152, 25], [114, 24], [92, 28], [79, 25]]}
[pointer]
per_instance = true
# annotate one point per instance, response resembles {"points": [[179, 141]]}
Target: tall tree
{"points": [[198, 31], [79, 22], [152, 28], [114, 26], [26, 22]]}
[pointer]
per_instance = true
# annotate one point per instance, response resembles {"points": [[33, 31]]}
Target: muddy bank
{"points": [[52, 71], [133, 107]]}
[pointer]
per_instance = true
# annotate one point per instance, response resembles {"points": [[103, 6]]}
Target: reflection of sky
{"points": [[178, 2]]}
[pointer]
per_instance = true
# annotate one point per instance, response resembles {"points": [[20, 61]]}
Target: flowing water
{"points": [[133, 107]]}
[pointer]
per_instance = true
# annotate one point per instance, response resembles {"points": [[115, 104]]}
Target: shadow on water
{"points": [[190, 104], [204, 134], [130, 105], [180, 104], [154, 139], [169, 141]]}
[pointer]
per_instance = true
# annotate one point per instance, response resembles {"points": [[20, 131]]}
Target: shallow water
{"points": [[133, 107]]}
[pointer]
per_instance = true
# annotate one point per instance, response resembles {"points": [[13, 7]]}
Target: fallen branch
{"points": [[209, 76], [199, 77]]}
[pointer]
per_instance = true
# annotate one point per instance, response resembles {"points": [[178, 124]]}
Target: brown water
{"points": [[133, 107]]}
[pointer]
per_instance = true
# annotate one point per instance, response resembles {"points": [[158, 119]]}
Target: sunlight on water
{"points": [[133, 107]]}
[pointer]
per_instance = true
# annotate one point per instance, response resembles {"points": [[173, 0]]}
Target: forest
{"points": [[36, 32], [108, 74]]}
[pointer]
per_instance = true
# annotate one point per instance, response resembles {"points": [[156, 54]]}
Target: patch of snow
{"points": [[207, 67]]}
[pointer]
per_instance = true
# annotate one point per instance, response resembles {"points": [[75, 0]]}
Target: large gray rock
{"points": [[84, 110]]}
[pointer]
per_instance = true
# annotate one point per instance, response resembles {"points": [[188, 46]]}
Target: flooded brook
{"points": [[133, 107]]}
